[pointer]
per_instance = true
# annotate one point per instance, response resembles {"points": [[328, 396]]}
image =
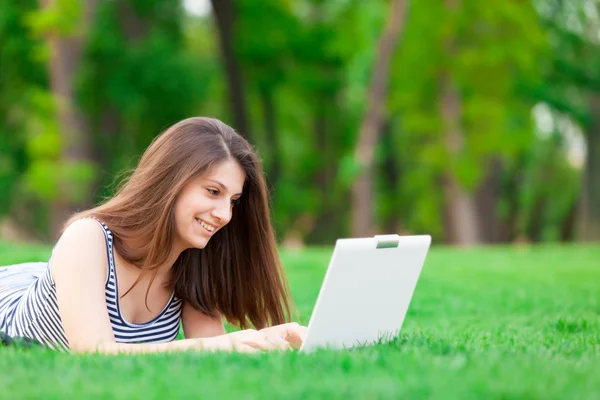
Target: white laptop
{"points": [[366, 291]]}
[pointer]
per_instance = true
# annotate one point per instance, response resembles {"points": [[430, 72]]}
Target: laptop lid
{"points": [[366, 291]]}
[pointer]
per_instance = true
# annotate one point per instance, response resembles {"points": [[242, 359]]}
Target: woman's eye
{"points": [[234, 202], [213, 192]]}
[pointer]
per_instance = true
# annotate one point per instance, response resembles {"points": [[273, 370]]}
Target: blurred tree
{"points": [[23, 83], [295, 57], [457, 79], [65, 23], [331, 43], [460, 210], [137, 78], [371, 125], [589, 219], [265, 32], [458, 109], [546, 203], [573, 88], [226, 16]]}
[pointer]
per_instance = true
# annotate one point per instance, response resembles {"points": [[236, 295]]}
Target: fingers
{"points": [[257, 340], [296, 334], [279, 342], [265, 341], [292, 332], [244, 348]]}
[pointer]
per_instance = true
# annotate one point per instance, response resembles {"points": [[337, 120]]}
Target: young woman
{"points": [[187, 238]]}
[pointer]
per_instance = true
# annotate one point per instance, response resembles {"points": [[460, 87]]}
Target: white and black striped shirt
{"points": [[32, 312]]}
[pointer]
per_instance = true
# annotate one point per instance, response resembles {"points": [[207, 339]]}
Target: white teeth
{"points": [[208, 227]]}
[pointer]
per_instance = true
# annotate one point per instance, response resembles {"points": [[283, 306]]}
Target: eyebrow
{"points": [[223, 186]]}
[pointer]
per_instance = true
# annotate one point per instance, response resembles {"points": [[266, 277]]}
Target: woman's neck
{"points": [[136, 253]]}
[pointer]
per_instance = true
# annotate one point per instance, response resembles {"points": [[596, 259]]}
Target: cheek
{"points": [[183, 209], [191, 204]]}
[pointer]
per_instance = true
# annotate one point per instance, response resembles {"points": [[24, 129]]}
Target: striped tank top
{"points": [[32, 311]]}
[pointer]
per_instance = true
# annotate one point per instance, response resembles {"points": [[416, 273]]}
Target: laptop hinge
{"points": [[387, 241]]}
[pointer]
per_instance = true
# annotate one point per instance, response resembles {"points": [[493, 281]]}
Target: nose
{"points": [[222, 211]]}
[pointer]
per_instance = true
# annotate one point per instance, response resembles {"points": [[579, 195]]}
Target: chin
{"points": [[199, 244]]}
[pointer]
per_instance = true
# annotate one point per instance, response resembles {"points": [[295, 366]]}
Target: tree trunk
{"points": [[269, 116], [568, 225], [65, 56], [491, 228], [391, 175], [461, 221], [131, 22], [370, 128], [224, 11], [326, 223], [106, 148], [460, 215], [589, 215], [460, 212]]}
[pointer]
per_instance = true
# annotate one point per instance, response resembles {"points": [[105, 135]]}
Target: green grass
{"points": [[518, 323]]}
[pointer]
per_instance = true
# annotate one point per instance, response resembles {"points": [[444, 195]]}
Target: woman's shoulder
{"points": [[83, 232], [82, 245]]}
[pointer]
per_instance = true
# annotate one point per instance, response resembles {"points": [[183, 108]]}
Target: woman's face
{"points": [[205, 204]]}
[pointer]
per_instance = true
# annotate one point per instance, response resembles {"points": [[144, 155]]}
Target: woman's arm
{"points": [[196, 324], [79, 268]]}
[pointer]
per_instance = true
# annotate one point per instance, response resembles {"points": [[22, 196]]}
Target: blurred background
{"points": [[475, 122]]}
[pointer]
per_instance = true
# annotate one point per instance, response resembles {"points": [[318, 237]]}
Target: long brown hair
{"points": [[238, 274]]}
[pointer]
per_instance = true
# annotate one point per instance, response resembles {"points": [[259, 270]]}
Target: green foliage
{"points": [[59, 17], [487, 49], [141, 81], [301, 53], [22, 79], [306, 69], [543, 207], [42, 178]]}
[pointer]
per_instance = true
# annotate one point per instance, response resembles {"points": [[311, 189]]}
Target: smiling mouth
{"points": [[207, 227]]}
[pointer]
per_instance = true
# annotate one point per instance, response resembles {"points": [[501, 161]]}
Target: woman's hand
{"points": [[246, 341], [292, 332], [278, 337]]}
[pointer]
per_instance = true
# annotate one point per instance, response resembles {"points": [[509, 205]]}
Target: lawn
{"points": [[496, 322]]}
